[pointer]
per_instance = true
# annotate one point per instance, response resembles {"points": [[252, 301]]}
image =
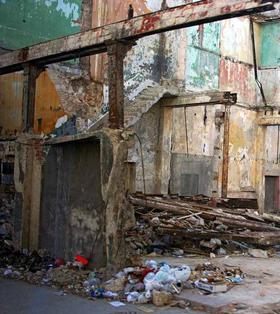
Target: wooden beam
{"points": [[266, 121], [199, 99], [116, 54], [30, 75], [94, 41], [225, 168]]}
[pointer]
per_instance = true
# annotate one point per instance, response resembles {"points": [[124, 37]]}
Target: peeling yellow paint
{"points": [[47, 111]]}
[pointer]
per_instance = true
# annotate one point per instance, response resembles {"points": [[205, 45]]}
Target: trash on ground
{"points": [[117, 303]]}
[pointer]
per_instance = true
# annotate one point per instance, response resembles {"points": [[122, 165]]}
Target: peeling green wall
{"points": [[27, 22], [270, 44], [202, 55]]}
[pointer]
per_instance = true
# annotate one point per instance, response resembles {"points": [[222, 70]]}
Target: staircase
{"points": [[134, 109]]}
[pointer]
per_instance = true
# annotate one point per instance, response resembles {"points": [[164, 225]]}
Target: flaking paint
{"points": [[270, 44], [23, 23], [47, 103]]}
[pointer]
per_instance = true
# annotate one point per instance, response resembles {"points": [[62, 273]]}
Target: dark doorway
{"points": [[271, 194], [72, 210]]}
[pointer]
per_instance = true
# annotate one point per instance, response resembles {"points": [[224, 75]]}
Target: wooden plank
{"points": [[255, 238], [258, 226], [94, 41]]}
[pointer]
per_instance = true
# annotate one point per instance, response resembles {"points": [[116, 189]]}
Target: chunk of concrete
{"points": [[258, 253]]}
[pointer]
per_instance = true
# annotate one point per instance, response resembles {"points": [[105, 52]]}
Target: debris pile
{"points": [[214, 279], [159, 283], [41, 269], [152, 282], [7, 204], [177, 225]]}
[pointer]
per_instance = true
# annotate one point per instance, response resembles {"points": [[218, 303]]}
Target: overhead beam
{"points": [[269, 121], [94, 41], [200, 99]]}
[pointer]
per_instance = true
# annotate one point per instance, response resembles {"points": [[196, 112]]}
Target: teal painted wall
{"points": [[27, 22], [202, 55], [270, 44]]}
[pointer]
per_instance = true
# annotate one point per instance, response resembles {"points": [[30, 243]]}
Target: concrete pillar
{"points": [[260, 164], [28, 169]]}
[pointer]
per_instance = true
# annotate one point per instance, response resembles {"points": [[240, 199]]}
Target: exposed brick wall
{"points": [[79, 95]]}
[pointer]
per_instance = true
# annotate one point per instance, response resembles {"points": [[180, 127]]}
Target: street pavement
{"points": [[17, 297]]}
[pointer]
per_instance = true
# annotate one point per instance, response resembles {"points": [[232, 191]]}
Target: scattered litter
{"points": [[60, 121], [82, 260], [214, 279], [8, 272], [213, 288], [117, 303], [60, 293]]}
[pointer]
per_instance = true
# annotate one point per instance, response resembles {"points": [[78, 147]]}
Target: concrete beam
{"points": [[94, 41]]}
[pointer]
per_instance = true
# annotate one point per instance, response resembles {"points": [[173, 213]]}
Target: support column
{"points": [[30, 74], [226, 152], [260, 166], [116, 54], [29, 182], [159, 152]]}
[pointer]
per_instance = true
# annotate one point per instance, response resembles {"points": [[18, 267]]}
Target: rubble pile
{"points": [[41, 269], [7, 204], [176, 225], [213, 279]]}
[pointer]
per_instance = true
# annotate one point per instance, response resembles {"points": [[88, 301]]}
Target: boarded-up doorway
{"points": [[72, 209], [271, 194]]}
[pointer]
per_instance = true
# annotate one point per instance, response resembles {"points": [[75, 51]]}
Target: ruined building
{"points": [[201, 113]]}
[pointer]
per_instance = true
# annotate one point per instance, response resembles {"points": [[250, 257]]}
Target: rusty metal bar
{"points": [[30, 75], [94, 41], [226, 151], [116, 55]]}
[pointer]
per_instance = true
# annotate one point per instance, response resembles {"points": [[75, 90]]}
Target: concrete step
{"points": [[135, 108]]}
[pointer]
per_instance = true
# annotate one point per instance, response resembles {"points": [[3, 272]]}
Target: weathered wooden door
{"points": [[272, 194]]}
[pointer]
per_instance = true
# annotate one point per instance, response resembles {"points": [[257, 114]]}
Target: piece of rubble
{"points": [[115, 285], [161, 298], [211, 287], [258, 253]]}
